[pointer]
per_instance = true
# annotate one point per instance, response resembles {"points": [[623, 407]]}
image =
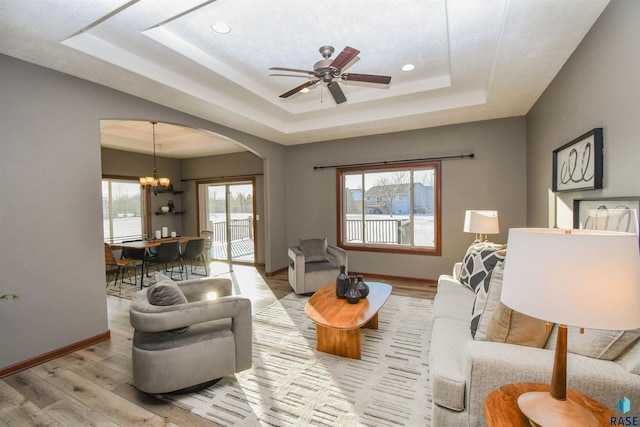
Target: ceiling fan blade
{"points": [[294, 70], [299, 88], [346, 56], [369, 78], [336, 92]]}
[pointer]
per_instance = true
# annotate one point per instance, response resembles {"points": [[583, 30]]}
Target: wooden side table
{"points": [[501, 407]]}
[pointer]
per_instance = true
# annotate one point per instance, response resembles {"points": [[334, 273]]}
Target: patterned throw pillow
{"points": [[478, 262], [487, 299]]}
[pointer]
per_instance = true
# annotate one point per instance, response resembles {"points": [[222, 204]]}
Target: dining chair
{"points": [[194, 251], [133, 253], [120, 266], [167, 256], [207, 235]]}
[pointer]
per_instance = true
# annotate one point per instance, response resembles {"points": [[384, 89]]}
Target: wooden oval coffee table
{"points": [[338, 323]]}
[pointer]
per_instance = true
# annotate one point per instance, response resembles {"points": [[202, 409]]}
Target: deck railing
{"points": [[240, 229], [379, 230]]}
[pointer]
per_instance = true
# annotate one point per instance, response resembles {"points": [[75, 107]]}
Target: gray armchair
{"points": [[182, 339], [314, 264]]}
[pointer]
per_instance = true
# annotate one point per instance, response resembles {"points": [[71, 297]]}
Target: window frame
{"points": [[436, 250], [144, 203]]}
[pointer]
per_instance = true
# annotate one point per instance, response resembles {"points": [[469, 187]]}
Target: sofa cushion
{"points": [[487, 299], [478, 262], [630, 359], [314, 250], [597, 344], [509, 326], [453, 300], [321, 266], [446, 365]]}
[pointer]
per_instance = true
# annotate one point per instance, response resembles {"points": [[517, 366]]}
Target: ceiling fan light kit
{"points": [[327, 69]]}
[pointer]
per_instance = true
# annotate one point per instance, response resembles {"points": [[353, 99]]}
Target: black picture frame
{"points": [[607, 213], [577, 165]]}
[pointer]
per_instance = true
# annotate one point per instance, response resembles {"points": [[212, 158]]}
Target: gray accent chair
{"points": [[314, 264], [182, 339]]}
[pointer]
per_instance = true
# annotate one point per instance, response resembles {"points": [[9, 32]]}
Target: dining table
{"points": [[148, 244]]}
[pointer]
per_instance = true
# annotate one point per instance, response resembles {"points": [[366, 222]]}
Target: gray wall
{"points": [[494, 179], [599, 86], [50, 203]]}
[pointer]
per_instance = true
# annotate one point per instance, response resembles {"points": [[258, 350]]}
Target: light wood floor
{"points": [[93, 386]]}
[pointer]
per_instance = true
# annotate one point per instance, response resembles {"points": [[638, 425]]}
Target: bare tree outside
{"points": [[424, 177], [387, 187], [121, 209]]}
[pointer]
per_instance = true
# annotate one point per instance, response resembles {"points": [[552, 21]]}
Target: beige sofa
{"points": [[464, 370]]}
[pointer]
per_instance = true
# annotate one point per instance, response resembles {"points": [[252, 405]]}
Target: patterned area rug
{"points": [[292, 384], [126, 291]]}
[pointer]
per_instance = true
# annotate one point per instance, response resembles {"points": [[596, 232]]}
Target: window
{"points": [[122, 216], [390, 208]]}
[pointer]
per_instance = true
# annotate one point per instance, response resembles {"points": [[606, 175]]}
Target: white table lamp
{"points": [[582, 278], [481, 223]]}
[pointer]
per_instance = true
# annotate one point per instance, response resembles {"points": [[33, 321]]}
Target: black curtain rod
{"points": [[221, 177], [390, 162]]}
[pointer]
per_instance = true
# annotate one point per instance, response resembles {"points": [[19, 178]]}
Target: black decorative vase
{"points": [[353, 296], [363, 288], [342, 283]]}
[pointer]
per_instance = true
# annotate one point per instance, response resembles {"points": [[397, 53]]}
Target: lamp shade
{"points": [[481, 222], [582, 278]]}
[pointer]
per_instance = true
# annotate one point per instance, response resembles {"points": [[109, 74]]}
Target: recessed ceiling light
{"points": [[408, 67], [221, 27]]}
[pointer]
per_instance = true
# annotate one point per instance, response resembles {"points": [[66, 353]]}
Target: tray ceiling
{"points": [[474, 60]]}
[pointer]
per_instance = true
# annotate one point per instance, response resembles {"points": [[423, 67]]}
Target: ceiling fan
{"points": [[327, 69]]}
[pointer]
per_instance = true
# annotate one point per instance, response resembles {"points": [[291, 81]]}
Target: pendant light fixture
{"points": [[155, 183]]}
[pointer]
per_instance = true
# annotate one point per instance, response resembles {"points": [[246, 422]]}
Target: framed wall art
{"points": [[613, 214], [577, 165]]}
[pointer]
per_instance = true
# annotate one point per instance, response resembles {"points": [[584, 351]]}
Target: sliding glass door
{"points": [[227, 209]]}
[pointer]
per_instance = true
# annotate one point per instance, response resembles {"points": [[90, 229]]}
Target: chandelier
{"points": [[153, 182]]}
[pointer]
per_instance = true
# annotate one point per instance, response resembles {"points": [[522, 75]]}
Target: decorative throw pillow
{"points": [[509, 326], [479, 260], [314, 250], [164, 291], [487, 299], [598, 344]]}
